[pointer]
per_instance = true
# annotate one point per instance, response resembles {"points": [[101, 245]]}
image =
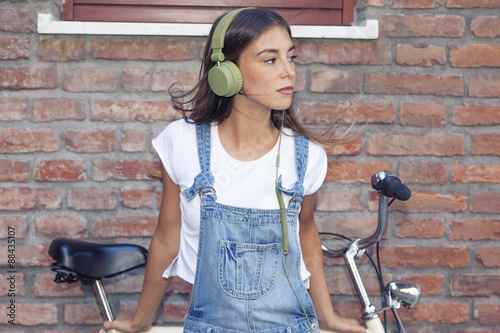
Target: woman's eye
{"points": [[270, 61], [293, 58]]}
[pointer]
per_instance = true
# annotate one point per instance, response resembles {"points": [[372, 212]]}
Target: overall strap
{"points": [[204, 181], [301, 157]]}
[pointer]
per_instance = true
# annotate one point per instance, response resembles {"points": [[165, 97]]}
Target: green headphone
{"points": [[225, 78]]}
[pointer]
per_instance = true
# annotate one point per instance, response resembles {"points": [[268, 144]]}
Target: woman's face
{"points": [[268, 70]]}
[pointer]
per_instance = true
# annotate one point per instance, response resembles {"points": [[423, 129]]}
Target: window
{"points": [[296, 12]]}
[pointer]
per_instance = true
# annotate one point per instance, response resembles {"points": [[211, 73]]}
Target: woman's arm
{"points": [[162, 251], [313, 258]]}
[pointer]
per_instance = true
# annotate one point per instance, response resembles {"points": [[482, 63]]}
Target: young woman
{"points": [[239, 176]]}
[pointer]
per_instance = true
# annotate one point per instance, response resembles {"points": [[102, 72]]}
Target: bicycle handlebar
{"points": [[387, 186]]}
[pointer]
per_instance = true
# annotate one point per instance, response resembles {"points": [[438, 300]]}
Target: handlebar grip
{"points": [[391, 186]]}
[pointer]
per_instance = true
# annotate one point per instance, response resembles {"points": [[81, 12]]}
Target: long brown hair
{"points": [[201, 105]]}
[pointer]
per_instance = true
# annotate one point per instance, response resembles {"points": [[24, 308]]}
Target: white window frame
{"points": [[49, 25]]}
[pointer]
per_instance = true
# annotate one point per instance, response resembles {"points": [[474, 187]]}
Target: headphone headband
{"points": [[220, 34]]}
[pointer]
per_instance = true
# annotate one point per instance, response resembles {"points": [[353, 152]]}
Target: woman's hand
{"points": [[342, 325], [124, 326]]}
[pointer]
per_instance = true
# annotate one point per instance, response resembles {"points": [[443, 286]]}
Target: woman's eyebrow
{"points": [[275, 50]]}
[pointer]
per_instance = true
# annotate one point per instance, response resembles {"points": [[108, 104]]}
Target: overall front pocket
{"points": [[247, 271]]}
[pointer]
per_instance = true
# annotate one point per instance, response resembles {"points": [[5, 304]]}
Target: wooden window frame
{"points": [[317, 12]]}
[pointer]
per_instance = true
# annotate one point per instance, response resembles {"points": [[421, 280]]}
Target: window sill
{"points": [[48, 25]]}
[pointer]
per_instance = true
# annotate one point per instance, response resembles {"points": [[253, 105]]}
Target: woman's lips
{"points": [[286, 90]]}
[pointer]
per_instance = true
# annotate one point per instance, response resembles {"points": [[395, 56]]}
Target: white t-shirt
{"points": [[246, 184]]}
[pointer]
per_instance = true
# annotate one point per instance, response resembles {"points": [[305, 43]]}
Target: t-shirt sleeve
{"points": [[317, 167], [166, 149]]}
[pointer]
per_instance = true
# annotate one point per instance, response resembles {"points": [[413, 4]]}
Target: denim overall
{"points": [[240, 282]]}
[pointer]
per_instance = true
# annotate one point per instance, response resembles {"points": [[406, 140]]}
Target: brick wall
{"points": [[78, 113]]}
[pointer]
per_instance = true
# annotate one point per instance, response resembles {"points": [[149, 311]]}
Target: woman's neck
{"points": [[247, 137]]}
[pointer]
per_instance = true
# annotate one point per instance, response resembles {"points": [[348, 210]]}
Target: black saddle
{"points": [[95, 260]]}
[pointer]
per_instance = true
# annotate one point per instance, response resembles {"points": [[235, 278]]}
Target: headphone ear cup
{"points": [[225, 79]]}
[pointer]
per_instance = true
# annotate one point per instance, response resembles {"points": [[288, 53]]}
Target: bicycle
{"points": [[396, 293], [90, 263]]}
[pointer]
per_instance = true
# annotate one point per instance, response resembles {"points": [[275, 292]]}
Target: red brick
{"points": [[50, 109], [92, 141], [125, 226], [339, 200], [472, 4], [420, 55], [13, 109], [14, 171], [353, 146], [89, 80], [45, 286], [424, 257], [59, 170], [133, 110], [353, 172], [432, 284], [420, 228], [475, 229], [475, 55], [133, 140], [150, 50], [178, 286], [422, 114], [485, 144], [341, 284], [475, 285], [83, 313], [183, 80], [414, 84], [24, 198], [488, 257], [175, 311], [124, 284], [426, 201], [135, 79], [484, 85], [54, 226], [343, 53], [445, 144], [438, 313], [29, 141], [399, 25], [472, 115], [475, 173], [487, 313], [31, 255], [486, 26], [484, 202], [17, 20], [132, 197], [45, 314], [105, 169], [28, 78], [333, 81], [57, 50], [14, 48], [15, 286], [352, 227], [346, 112], [420, 172], [92, 198], [19, 223], [414, 4]]}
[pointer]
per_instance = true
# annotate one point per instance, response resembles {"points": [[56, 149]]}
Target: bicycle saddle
{"points": [[96, 260]]}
